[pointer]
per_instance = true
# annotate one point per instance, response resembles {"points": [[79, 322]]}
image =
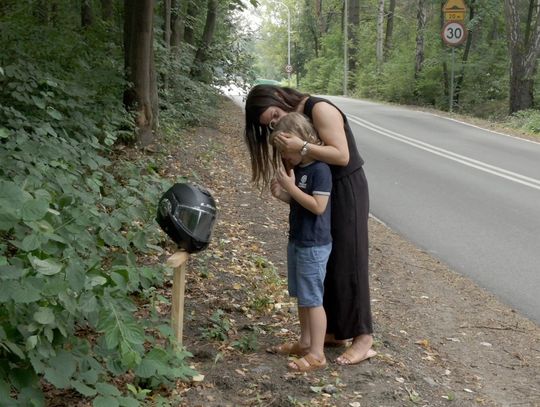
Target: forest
{"points": [[82, 81]]}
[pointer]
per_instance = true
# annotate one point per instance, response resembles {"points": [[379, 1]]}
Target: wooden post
{"points": [[178, 262]]}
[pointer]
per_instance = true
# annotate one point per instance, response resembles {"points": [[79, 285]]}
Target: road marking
{"points": [[480, 165]]}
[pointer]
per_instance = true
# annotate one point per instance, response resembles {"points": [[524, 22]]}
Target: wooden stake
{"points": [[178, 262]]}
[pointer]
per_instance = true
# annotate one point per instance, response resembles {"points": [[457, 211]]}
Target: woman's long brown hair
{"points": [[260, 98]]}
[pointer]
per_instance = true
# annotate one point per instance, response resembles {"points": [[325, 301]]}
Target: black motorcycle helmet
{"points": [[187, 212]]}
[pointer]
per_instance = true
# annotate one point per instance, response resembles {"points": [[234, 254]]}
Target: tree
{"points": [[198, 69], [106, 10], [353, 14], [141, 95], [380, 34], [87, 18], [177, 22], [524, 50], [389, 29], [420, 30]]}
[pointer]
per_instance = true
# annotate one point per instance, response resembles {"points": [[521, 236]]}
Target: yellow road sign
{"points": [[454, 10]]}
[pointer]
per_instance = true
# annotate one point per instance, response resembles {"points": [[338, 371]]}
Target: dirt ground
{"points": [[441, 339]]}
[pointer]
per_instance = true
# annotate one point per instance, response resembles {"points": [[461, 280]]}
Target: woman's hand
{"points": [[288, 143]]}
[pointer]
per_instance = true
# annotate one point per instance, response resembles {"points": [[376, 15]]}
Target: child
{"points": [[306, 187]]}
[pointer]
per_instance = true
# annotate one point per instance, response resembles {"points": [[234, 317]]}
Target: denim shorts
{"points": [[306, 269]]}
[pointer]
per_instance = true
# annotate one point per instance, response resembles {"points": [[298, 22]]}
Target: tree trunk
{"points": [[87, 17], [177, 22], [420, 31], [141, 96], [389, 29], [353, 14], [380, 34], [106, 10], [524, 50], [465, 58], [198, 69], [191, 16], [446, 78], [167, 23]]}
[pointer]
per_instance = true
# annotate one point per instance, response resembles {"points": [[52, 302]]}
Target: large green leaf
{"points": [[44, 316], [105, 401], [34, 209], [46, 267], [61, 369]]}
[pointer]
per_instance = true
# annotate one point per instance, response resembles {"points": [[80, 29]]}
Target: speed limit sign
{"points": [[454, 33]]}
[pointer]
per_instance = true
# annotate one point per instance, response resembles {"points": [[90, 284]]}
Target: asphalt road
{"points": [[468, 196]]}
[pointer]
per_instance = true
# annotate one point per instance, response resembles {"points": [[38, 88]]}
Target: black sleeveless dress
{"points": [[346, 286]]}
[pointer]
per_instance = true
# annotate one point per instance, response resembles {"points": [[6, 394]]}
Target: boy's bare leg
{"points": [[317, 328], [305, 329]]}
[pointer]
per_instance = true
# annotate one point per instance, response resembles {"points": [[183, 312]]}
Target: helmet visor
{"points": [[197, 221]]}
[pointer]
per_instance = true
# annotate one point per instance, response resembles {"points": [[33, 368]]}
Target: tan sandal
{"points": [[288, 348], [350, 357], [307, 364]]}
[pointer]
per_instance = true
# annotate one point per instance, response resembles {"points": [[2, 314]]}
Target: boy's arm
{"points": [[316, 204]]}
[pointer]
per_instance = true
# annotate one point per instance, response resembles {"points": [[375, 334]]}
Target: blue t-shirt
{"points": [[306, 228]]}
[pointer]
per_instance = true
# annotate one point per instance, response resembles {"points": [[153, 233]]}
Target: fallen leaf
{"points": [[197, 379]]}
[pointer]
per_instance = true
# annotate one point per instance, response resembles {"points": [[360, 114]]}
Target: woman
{"points": [[346, 296]]}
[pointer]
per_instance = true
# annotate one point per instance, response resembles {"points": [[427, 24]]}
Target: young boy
{"points": [[306, 188]]}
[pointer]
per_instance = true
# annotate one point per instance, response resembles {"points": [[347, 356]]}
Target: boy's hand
{"points": [[275, 188], [286, 180]]}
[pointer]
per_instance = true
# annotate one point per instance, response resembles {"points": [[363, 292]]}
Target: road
{"points": [[468, 196]]}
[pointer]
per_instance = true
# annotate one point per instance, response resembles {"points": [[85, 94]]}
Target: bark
{"points": [[167, 23], [465, 58], [420, 31], [353, 14], [177, 22], [524, 50], [388, 39], [446, 76], [380, 34], [87, 18], [198, 70], [141, 96], [106, 10], [191, 16]]}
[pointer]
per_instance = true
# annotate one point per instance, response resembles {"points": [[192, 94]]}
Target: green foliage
{"points": [[528, 120], [72, 226], [219, 327], [247, 343]]}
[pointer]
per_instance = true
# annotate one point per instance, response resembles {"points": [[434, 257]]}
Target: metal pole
{"points": [[452, 82], [345, 48]]}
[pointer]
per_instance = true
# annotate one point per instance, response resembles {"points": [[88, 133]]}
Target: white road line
{"points": [[480, 165]]}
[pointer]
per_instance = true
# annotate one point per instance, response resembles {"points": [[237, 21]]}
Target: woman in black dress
{"points": [[346, 296]]}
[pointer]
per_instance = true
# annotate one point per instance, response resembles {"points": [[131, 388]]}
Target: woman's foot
{"points": [[359, 351], [289, 348], [330, 341]]}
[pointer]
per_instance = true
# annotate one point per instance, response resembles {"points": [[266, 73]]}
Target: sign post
{"points": [[178, 262]]}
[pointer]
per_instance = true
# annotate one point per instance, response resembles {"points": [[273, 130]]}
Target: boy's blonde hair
{"points": [[297, 124]]}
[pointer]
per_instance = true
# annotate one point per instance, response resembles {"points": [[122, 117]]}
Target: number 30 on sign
{"points": [[454, 33]]}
